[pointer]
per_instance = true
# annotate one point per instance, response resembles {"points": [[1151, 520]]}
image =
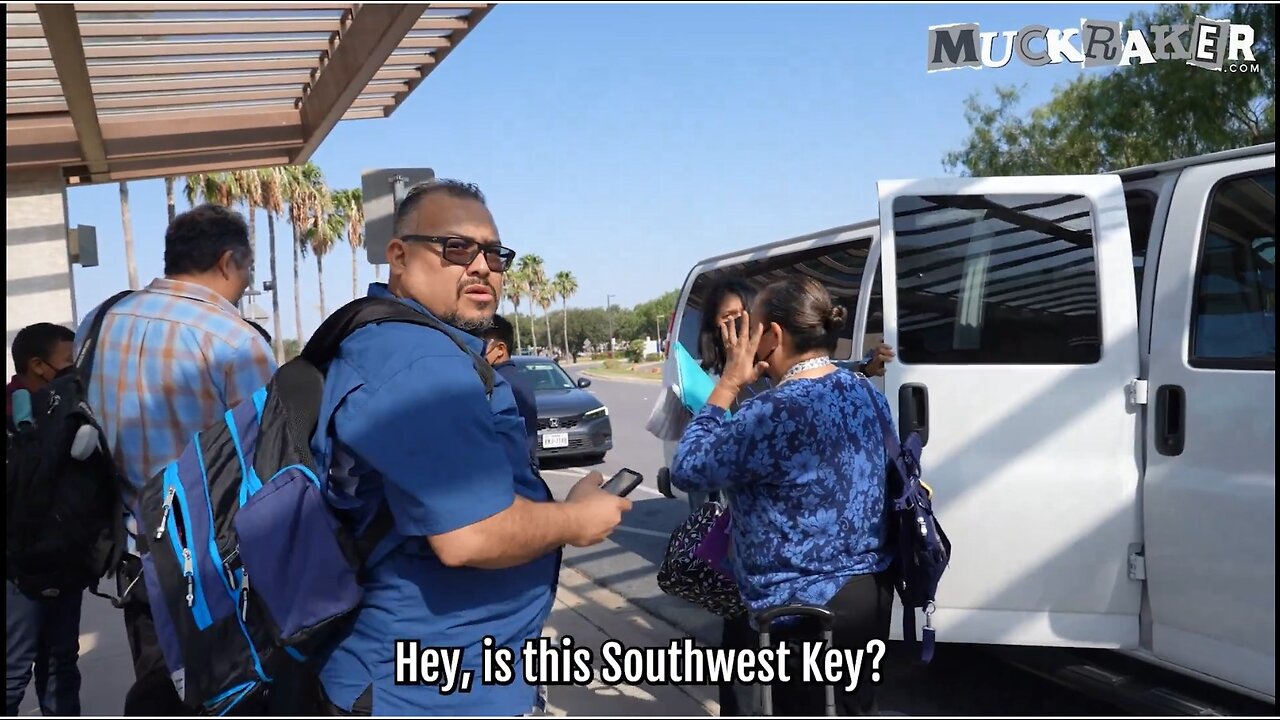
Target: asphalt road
{"points": [[961, 679]]}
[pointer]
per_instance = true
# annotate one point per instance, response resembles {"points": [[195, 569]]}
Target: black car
{"points": [[572, 422]]}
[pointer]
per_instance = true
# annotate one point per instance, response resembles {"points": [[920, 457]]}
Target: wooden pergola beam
{"points": [[374, 33], [178, 67], [438, 56], [164, 28], [66, 48], [212, 162]]}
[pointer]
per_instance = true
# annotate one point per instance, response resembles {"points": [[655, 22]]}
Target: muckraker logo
{"points": [[1210, 44]]}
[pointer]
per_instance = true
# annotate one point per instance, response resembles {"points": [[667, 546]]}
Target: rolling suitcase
{"points": [[765, 620]]}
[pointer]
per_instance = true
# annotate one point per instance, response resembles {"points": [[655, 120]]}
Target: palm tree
{"points": [[247, 188], [128, 235], [168, 196], [565, 285], [219, 188], [327, 228], [216, 188], [302, 192], [350, 205], [545, 298], [535, 276], [513, 289], [272, 181]]}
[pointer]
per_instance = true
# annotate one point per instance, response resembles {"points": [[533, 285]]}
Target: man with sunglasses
{"points": [[475, 548]]}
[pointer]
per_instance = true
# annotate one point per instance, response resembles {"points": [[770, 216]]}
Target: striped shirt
{"points": [[171, 359]]}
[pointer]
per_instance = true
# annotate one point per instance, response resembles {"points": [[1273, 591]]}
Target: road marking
{"points": [[571, 472], [641, 531]]}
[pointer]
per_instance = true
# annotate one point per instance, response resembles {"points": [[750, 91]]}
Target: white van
{"points": [[1091, 360]]}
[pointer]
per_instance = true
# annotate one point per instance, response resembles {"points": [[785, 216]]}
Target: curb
{"points": [[656, 380]]}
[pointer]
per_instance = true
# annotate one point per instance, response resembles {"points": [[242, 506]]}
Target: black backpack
{"points": [[247, 568], [64, 528]]}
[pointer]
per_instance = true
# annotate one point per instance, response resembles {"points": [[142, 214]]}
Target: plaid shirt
{"points": [[171, 359]]}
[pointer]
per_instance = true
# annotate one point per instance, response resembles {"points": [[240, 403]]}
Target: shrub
{"points": [[635, 351]]}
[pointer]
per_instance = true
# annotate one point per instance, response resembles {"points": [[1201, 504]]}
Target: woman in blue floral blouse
{"points": [[805, 465]]}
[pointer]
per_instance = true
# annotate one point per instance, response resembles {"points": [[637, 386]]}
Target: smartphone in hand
{"points": [[623, 482]]}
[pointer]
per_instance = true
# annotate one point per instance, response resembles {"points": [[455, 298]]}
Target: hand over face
{"points": [[741, 367]]}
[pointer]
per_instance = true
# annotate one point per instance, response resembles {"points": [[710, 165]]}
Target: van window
{"points": [[1233, 318], [838, 267], [996, 279], [1141, 205], [690, 322]]}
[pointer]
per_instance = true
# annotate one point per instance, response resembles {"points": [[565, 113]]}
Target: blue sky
{"points": [[625, 143]]}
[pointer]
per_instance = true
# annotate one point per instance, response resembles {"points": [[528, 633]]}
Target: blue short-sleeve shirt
{"points": [[408, 423]]}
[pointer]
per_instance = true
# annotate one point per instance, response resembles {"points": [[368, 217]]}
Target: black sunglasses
{"points": [[463, 251]]}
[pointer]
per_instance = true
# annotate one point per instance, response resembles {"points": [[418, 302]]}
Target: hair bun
{"points": [[835, 318]]}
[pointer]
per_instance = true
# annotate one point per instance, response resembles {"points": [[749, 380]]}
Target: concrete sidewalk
{"points": [[592, 615], [587, 612]]}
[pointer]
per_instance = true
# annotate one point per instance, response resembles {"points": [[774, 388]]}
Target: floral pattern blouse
{"points": [[804, 464]]}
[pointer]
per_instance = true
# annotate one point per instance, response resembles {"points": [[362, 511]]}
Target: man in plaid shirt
{"points": [[172, 359]]}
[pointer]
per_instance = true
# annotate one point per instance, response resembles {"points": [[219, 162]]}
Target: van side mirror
{"points": [[584, 383]]}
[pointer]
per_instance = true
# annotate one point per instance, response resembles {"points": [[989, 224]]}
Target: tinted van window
{"points": [[996, 279], [1234, 313]]}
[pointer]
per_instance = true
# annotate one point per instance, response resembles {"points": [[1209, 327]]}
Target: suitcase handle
{"points": [[765, 621], [821, 614]]}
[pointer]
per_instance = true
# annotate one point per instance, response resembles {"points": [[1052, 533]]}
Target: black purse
{"points": [[691, 578]]}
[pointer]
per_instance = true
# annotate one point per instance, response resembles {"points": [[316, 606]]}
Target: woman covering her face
{"points": [[804, 462]]}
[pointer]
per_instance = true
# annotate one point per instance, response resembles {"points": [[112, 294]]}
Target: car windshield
{"points": [[546, 376]]}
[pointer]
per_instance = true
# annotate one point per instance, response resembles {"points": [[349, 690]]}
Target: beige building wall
{"points": [[38, 282]]}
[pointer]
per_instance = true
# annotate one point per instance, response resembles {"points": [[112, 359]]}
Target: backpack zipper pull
{"points": [[189, 571], [244, 595], [168, 507], [230, 571]]}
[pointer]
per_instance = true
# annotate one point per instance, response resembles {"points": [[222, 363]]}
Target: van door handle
{"points": [[913, 411], [1171, 420]]}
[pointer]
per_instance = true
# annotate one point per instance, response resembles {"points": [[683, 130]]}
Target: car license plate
{"points": [[555, 440]]}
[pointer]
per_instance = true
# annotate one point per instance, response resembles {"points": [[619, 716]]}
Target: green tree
{"points": [[587, 324], [642, 320], [1109, 120]]}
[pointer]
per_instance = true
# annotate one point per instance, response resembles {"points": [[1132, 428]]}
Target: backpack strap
{"points": [[323, 347], [89, 349]]}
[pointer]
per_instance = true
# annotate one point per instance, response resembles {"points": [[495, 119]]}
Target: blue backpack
{"points": [[247, 568], [921, 549]]}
